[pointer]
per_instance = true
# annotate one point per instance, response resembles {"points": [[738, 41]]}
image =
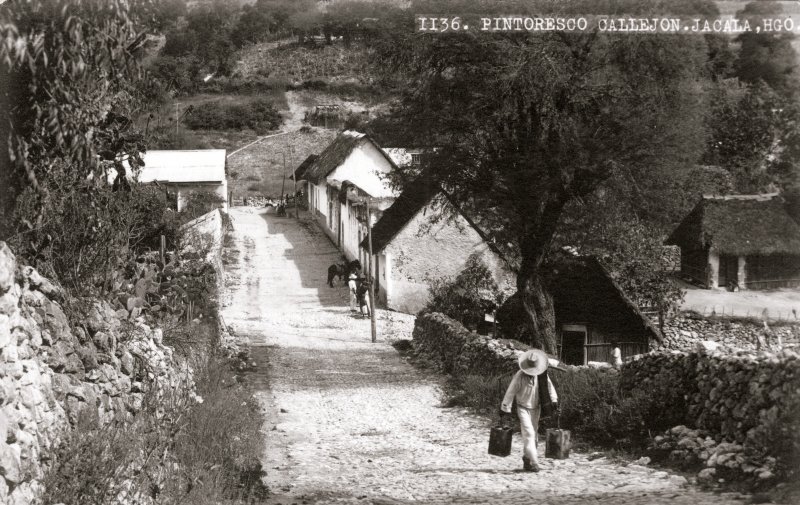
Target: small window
{"points": [[415, 159]]}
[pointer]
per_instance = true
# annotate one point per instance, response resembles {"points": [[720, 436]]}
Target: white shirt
{"points": [[525, 389], [616, 356]]}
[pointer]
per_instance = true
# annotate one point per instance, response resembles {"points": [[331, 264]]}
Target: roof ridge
{"points": [[761, 197]]}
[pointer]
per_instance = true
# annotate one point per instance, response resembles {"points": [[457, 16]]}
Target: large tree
{"points": [[524, 123]]}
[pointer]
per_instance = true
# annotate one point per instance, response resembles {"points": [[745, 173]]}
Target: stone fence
{"points": [[51, 373], [456, 350], [737, 414], [682, 333]]}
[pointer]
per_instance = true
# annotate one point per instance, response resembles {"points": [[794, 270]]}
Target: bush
{"points": [[200, 202], [92, 234], [259, 115], [468, 296]]}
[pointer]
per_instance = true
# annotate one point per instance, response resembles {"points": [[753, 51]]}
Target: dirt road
{"points": [[350, 421]]}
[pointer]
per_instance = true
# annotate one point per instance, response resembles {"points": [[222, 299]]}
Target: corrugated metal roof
{"points": [[201, 165]]}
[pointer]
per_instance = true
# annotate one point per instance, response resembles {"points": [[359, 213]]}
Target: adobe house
{"points": [[422, 236], [185, 171], [592, 312], [352, 162], [747, 241]]}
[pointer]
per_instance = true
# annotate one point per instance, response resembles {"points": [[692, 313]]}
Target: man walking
{"points": [[352, 288], [534, 393]]}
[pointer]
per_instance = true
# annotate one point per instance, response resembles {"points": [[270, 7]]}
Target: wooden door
{"points": [[573, 344]]}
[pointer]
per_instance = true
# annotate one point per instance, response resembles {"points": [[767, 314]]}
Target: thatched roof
{"points": [[739, 225], [583, 290], [300, 172], [337, 152]]}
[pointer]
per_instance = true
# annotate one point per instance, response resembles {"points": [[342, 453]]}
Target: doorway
{"points": [[573, 344], [728, 270]]}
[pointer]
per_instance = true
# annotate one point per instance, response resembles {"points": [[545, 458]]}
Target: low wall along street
{"points": [[50, 374], [682, 333], [734, 414]]}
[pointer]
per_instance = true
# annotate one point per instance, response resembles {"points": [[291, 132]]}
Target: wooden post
{"points": [[283, 182], [163, 251], [371, 273]]}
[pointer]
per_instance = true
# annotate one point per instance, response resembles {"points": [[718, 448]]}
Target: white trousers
{"points": [[529, 425], [353, 301]]}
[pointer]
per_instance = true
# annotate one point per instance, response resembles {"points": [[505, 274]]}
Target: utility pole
{"points": [[283, 182], [372, 274]]}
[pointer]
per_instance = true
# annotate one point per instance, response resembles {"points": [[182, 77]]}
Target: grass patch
{"points": [[265, 160]]}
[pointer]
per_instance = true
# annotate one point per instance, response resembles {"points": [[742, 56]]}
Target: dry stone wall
{"points": [[683, 332], [739, 413], [456, 350], [50, 373], [734, 413]]}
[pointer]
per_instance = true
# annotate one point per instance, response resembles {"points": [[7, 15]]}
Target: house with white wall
{"points": [[350, 171], [424, 236], [183, 172]]}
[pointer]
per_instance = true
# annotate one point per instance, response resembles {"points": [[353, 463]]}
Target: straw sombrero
{"points": [[533, 362]]}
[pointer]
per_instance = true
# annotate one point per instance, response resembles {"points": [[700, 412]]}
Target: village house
{"points": [[592, 313], [183, 172], [739, 241], [349, 172], [424, 236]]}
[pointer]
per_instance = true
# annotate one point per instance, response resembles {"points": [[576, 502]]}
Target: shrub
{"points": [[468, 296], [200, 202], [92, 234], [259, 115]]}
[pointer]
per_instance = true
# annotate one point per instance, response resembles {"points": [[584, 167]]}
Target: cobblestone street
{"points": [[349, 421]]}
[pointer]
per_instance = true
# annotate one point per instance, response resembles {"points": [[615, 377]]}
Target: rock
{"points": [[643, 461], [105, 341], [127, 363], [707, 474], [45, 286], [8, 266], [5, 331], [707, 346], [10, 461], [88, 356]]}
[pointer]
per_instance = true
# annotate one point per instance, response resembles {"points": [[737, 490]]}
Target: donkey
{"points": [[342, 270], [337, 270]]}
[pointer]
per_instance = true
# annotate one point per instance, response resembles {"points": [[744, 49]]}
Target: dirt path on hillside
{"points": [[352, 422]]}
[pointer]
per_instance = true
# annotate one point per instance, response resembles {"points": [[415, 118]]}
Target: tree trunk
{"points": [[535, 298], [538, 305]]}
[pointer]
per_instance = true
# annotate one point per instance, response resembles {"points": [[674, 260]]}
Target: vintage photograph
{"points": [[399, 252]]}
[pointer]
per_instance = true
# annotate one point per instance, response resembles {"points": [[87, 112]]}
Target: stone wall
{"points": [[736, 413], [458, 351], [683, 332], [50, 373]]}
